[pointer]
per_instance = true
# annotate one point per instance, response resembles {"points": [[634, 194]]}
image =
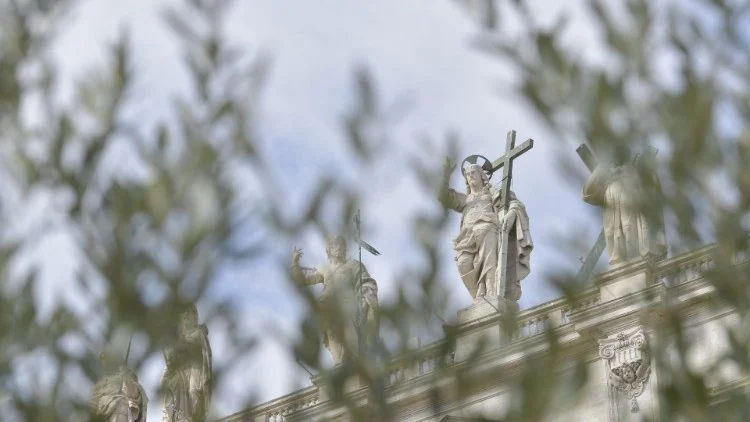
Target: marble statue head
{"points": [[476, 178], [189, 318], [336, 247]]}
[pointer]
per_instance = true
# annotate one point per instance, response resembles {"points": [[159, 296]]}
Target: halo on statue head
{"points": [[479, 160]]}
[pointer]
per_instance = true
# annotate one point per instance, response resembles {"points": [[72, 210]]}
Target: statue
{"points": [[118, 397], [187, 378], [483, 222], [630, 193], [348, 306]]}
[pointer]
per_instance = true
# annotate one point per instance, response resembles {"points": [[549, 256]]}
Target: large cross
{"points": [[584, 274], [506, 162]]}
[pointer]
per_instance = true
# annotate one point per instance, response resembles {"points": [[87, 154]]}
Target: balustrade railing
{"points": [[280, 414], [424, 363], [685, 271], [692, 266], [531, 322], [583, 303], [532, 326]]}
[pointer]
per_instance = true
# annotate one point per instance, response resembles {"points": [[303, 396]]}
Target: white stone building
{"points": [[604, 331]]}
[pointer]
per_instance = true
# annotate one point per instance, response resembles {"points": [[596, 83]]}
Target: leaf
{"points": [[179, 25], [225, 109], [549, 52], [158, 200], [162, 138]]}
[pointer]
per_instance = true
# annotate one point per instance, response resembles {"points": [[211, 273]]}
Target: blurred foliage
{"points": [[675, 75], [153, 234], [151, 239]]}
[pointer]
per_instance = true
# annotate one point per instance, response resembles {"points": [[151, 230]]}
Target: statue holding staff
{"points": [[118, 396], [348, 306]]}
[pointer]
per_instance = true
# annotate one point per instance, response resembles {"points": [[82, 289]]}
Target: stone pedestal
{"points": [[486, 324], [334, 376], [624, 279]]}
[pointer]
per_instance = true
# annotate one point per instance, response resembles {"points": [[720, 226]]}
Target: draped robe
{"points": [[114, 392], [348, 308], [633, 221], [187, 380], [478, 241], [520, 246]]}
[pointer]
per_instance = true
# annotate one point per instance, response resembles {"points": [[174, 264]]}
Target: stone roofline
{"points": [[617, 292]]}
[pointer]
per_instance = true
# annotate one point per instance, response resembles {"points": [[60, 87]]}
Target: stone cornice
{"points": [[694, 255], [624, 269], [576, 326], [507, 360], [609, 313], [290, 401]]}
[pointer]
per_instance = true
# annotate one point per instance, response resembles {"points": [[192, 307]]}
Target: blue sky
{"points": [[418, 55]]}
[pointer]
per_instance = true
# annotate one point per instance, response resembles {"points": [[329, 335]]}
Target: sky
{"points": [[420, 57]]}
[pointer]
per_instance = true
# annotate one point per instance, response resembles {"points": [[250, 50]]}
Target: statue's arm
{"points": [[509, 219], [593, 190], [447, 196], [497, 199], [309, 277], [306, 276], [452, 199], [366, 275], [369, 297], [303, 275]]}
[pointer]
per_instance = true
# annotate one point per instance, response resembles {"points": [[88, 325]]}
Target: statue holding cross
{"points": [[629, 192], [494, 243]]}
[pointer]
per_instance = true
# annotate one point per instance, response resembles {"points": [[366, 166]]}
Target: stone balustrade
{"points": [[396, 375], [280, 409], [280, 414], [682, 272], [533, 326], [585, 301], [692, 266], [531, 322], [421, 362]]}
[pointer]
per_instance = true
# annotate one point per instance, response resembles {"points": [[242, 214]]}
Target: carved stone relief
{"points": [[628, 366]]}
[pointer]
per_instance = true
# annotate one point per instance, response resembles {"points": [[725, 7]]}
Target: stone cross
{"points": [[584, 274], [506, 162]]}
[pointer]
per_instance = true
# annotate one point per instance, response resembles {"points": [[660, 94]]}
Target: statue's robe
{"points": [[520, 246], [633, 219], [348, 307], [187, 379], [479, 238], [118, 393]]}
